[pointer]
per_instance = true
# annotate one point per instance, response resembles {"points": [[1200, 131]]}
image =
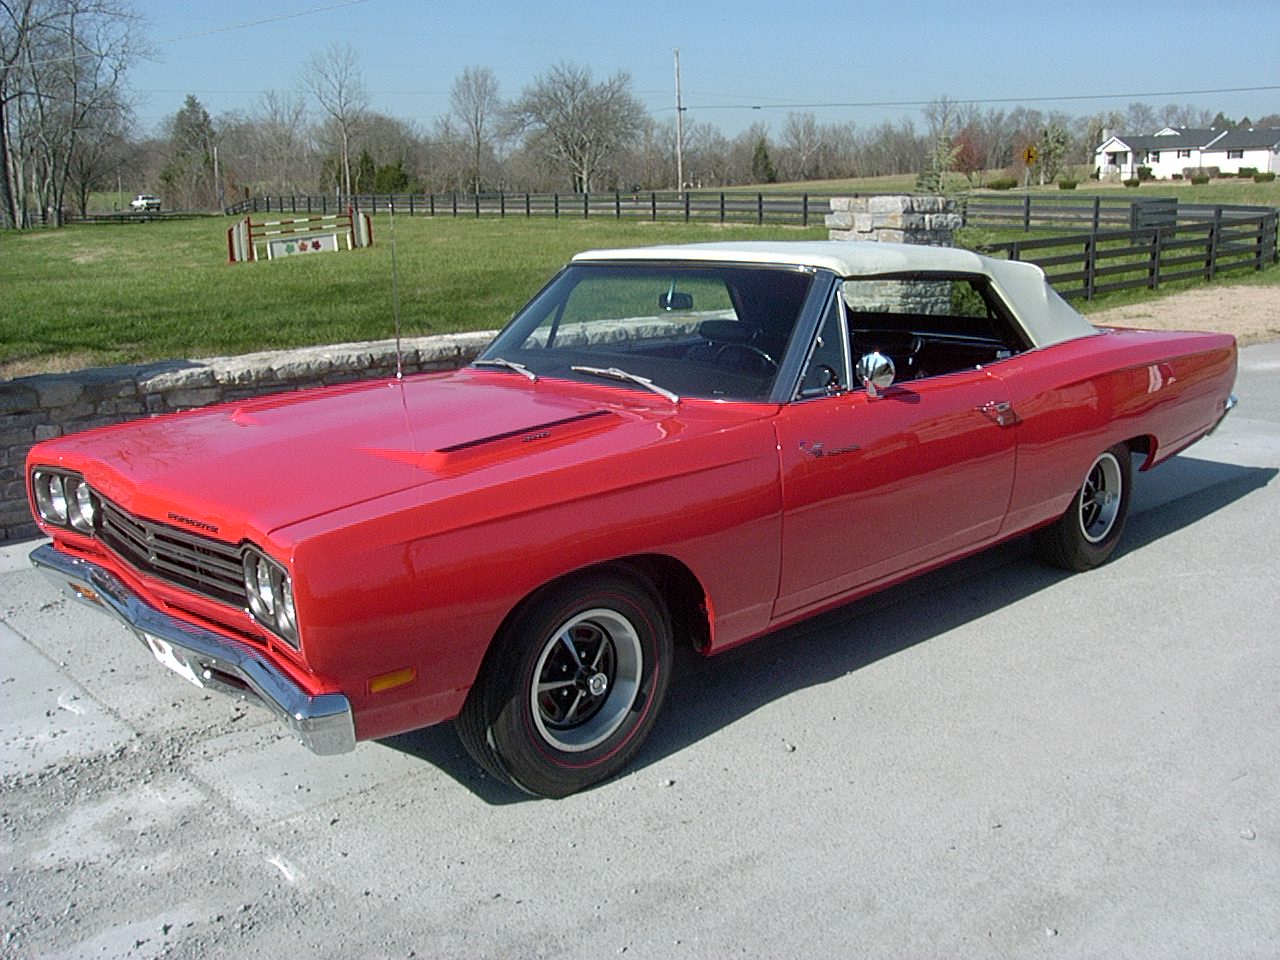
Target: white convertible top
{"points": [[1043, 314]]}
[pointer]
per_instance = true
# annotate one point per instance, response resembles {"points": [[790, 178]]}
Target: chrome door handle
{"points": [[1000, 413]]}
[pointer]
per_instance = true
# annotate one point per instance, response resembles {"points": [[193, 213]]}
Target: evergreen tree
{"points": [[188, 175], [761, 166]]}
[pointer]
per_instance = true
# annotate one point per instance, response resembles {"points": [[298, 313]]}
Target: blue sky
{"points": [[773, 55]]}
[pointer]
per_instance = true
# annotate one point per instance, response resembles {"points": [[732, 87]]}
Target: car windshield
{"points": [[693, 330]]}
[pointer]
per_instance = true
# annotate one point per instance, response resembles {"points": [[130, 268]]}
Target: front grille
{"points": [[187, 559]]}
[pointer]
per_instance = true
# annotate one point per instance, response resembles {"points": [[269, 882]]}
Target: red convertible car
{"points": [[693, 444]]}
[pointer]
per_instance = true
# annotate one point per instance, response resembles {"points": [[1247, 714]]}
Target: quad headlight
{"points": [[66, 500], [269, 593]]}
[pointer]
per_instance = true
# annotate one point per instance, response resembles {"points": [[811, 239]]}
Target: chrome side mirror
{"points": [[876, 372]]}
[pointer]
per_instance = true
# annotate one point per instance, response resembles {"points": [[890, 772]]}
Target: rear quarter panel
{"points": [[1077, 398]]}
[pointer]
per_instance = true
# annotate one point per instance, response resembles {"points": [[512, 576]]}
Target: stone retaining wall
{"points": [[50, 405]]}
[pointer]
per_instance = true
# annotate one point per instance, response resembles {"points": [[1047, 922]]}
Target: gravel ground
{"points": [[1251, 313], [995, 760]]}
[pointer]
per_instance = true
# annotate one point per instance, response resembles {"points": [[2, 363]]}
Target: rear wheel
{"points": [[1087, 534], [572, 687]]}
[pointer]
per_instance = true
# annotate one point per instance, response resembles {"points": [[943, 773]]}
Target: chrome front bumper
{"points": [[323, 723]]}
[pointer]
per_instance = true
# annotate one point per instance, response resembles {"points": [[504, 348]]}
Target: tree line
{"points": [[66, 132]]}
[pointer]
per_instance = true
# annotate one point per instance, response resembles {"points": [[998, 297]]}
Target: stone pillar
{"points": [[894, 219]]}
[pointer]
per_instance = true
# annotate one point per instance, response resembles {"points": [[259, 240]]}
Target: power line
{"points": [[925, 103], [208, 33], [263, 21]]}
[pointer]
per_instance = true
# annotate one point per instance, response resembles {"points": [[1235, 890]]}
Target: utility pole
{"points": [[679, 129], [217, 180]]}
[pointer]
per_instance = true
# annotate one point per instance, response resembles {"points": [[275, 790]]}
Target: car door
{"points": [[874, 487]]}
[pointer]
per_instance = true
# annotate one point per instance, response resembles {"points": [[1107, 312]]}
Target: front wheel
{"points": [[1087, 534], [572, 687]]}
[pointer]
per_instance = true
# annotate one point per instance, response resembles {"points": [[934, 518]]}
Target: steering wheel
{"points": [[772, 363]]}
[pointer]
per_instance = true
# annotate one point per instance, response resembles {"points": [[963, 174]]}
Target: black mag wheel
{"points": [[586, 680], [1086, 535], [572, 686]]}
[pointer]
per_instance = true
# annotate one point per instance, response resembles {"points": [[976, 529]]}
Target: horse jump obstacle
{"points": [[298, 235]]}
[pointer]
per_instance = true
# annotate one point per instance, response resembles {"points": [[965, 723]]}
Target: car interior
{"points": [[930, 325]]}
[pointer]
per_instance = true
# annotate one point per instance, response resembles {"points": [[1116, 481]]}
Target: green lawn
{"points": [[1228, 191], [101, 294]]}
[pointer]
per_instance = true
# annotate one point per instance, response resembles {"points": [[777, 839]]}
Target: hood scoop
{"points": [[485, 451]]}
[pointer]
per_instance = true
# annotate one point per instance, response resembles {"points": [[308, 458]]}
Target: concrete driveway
{"points": [[997, 760]]}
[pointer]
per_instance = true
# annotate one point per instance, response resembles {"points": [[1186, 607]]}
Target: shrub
{"points": [[1133, 182], [1066, 184], [1222, 174], [1267, 177], [1175, 176], [1244, 173], [1200, 179], [1144, 173], [1002, 183]]}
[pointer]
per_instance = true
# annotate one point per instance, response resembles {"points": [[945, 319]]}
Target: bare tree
{"points": [[334, 79], [450, 152], [280, 143], [1184, 115], [802, 144], [650, 162], [706, 155], [101, 153], [1139, 119], [895, 148], [578, 124], [17, 22], [475, 103], [62, 67]]}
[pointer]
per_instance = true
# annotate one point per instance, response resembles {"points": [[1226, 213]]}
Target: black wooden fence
{"points": [[1028, 212], [1088, 264], [1117, 242], [805, 209], [137, 216], [1047, 212]]}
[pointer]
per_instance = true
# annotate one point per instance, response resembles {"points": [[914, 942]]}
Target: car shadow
{"points": [[709, 694]]}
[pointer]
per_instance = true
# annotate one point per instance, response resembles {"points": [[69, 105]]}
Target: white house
{"points": [[1166, 152], [1178, 149], [1254, 148]]}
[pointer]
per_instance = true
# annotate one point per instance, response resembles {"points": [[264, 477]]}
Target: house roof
{"points": [[1184, 138], [1199, 135], [1265, 138]]}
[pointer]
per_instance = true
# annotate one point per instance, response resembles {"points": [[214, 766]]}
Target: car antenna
{"points": [[395, 289]]}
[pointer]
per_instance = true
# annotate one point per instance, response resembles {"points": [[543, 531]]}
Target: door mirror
{"points": [[876, 372]]}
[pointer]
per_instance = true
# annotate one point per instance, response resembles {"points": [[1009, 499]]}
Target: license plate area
{"points": [[175, 660]]}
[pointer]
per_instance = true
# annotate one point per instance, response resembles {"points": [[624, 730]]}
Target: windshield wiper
{"points": [[613, 373], [519, 368]]}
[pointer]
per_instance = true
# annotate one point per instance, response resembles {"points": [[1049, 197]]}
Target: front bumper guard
{"points": [[323, 723]]}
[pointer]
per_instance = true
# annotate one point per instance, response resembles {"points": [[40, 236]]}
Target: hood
{"points": [[265, 463]]}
